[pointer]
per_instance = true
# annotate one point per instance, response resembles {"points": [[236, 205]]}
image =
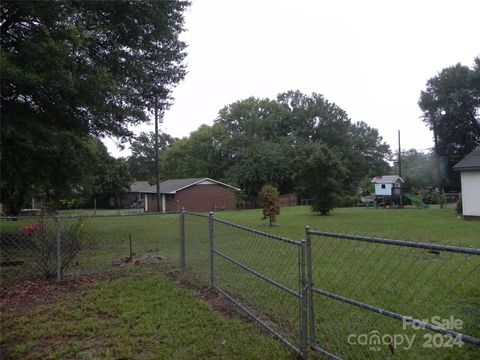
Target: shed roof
{"points": [[172, 186], [470, 162], [387, 179]]}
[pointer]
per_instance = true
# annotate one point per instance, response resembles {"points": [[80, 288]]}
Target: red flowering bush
{"points": [[33, 229], [43, 243]]}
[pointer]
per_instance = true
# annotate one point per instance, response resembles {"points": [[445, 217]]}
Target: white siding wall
{"points": [[471, 193], [387, 191]]}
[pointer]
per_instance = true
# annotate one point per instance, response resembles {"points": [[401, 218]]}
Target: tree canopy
{"points": [[254, 142], [451, 109], [78, 70], [142, 161]]}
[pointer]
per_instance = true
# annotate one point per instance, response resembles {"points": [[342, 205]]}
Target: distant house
{"points": [[197, 195], [469, 168], [388, 185]]}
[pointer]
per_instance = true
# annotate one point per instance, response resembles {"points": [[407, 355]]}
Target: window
{"points": [[383, 186]]}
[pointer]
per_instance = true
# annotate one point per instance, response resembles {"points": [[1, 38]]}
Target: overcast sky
{"points": [[372, 58]]}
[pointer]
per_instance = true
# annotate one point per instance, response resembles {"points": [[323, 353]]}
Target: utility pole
{"points": [[399, 156], [400, 167], [441, 188], [157, 160]]}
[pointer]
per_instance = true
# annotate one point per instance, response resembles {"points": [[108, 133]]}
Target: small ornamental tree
{"points": [[269, 200]]}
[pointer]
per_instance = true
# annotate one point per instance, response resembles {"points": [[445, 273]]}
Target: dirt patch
{"points": [[218, 302], [25, 295], [138, 260], [210, 296]]}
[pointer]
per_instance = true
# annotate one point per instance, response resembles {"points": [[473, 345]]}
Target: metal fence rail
{"points": [[323, 294], [337, 295], [263, 275], [386, 292]]}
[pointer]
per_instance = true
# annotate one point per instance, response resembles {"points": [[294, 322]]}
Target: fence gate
{"points": [[262, 274]]}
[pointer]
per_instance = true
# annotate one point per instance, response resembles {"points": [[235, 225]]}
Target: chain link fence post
{"points": [[303, 303], [212, 246], [182, 238], [59, 253], [311, 313]]}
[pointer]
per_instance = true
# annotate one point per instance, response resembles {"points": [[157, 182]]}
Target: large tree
{"points": [[71, 70], [111, 179], [451, 109], [263, 163], [142, 161], [258, 141], [295, 118], [199, 155]]}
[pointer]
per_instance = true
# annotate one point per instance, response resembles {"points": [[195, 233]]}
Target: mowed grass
{"points": [[146, 317], [429, 225], [105, 240], [412, 282]]}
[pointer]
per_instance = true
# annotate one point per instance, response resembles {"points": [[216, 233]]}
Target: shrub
{"points": [[43, 242], [323, 175]]}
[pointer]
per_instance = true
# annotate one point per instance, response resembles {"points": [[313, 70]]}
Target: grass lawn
{"points": [[140, 317], [429, 225], [412, 282]]}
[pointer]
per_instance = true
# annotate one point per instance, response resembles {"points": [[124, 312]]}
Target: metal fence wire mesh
{"points": [[197, 249], [258, 272], [432, 283], [343, 296], [262, 272], [353, 297], [54, 247], [28, 247]]}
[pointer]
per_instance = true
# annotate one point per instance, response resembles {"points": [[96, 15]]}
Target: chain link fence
{"points": [[344, 296], [260, 273], [57, 247], [372, 298], [337, 295], [29, 247]]}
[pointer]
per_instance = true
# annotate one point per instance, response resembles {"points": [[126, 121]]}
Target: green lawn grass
{"points": [[147, 317], [411, 282], [430, 225]]}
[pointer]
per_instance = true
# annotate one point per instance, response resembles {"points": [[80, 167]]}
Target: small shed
{"points": [[388, 185], [198, 195], [469, 168]]}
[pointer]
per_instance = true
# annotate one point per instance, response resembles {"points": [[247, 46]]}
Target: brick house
{"points": [[196, 195]]}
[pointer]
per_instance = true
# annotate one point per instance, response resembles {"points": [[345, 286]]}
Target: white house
{"points": [[388, 185], [469, 168]]}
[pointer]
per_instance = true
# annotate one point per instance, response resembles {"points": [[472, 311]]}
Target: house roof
{"points": [[387, 179], [142, 187], [470, 162], [173, 185]]}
